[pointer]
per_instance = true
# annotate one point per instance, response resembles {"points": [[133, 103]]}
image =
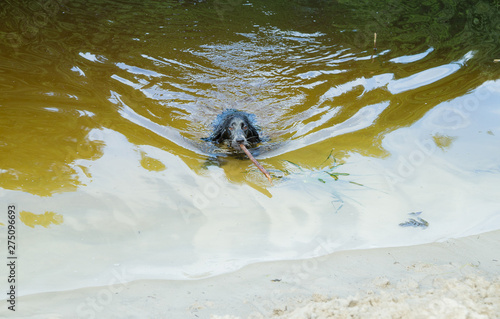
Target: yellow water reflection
{"points": [[46, 219], [443, 141], [86, 72], [40, 143], [151, 164]]}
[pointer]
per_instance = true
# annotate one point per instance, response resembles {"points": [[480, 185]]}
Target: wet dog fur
{"points": [[234, 128]]}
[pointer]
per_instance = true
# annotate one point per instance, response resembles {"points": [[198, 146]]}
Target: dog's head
{"points": [[235, 129]]}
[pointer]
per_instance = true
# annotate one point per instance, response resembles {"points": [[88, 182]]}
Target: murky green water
{"points": [[104, 103]]}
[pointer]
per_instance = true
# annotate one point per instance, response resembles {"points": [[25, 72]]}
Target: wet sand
{"points": [[457, 278]]}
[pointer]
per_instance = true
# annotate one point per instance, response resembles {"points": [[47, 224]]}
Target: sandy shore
{"points": [[457, 278]]}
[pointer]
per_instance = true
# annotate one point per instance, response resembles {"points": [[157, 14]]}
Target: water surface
{"points": [[104, 103]]}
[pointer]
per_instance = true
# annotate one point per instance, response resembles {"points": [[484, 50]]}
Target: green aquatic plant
{"points": [[329, 170], [336, 175]]}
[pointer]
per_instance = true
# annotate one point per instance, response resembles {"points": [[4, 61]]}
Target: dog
{"points": [[233, 128]]}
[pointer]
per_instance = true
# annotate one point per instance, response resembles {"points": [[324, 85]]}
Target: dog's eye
{"points": [[243, 126], [231, 128]]}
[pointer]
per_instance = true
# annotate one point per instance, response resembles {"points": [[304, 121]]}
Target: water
{"points": [[103, 107]]}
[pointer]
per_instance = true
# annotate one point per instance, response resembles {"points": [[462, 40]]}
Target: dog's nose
{"points": [[240, 140]]}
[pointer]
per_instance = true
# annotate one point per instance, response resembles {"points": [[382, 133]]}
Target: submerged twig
{"points": [[374, 45], [260, 167]]}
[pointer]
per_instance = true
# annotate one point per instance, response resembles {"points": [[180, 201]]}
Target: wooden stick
{"points": [[374, 45], [260, 167]]}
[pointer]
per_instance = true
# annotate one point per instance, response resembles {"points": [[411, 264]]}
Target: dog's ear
{"points": [[252, 134], [218, 134], [221, 131]]}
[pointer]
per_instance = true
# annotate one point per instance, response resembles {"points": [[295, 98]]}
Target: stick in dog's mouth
{"points": [[260, 167]]}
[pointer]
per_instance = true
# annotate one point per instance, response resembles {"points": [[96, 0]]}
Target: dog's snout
{"points": [[239, 136], [240, 139]]}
